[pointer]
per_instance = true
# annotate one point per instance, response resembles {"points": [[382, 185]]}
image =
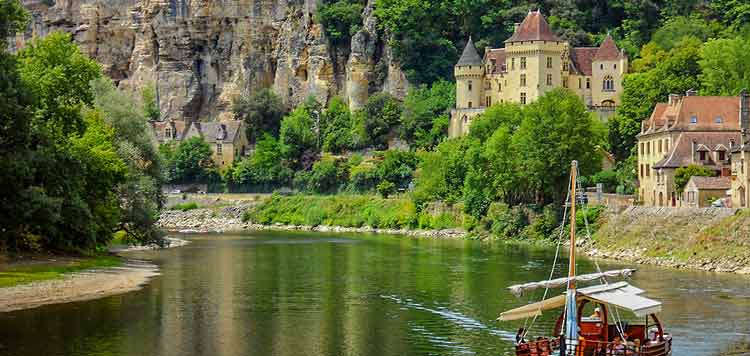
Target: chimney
{"points": [[691, 92], [674, 99], [516, 26]]}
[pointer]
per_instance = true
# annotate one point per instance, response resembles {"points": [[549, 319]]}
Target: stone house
{"points": [[690, 129], [700, 192], [533, 62], [227, 139]]}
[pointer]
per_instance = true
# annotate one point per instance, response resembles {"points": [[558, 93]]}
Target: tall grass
{"points": [[344, 210]]}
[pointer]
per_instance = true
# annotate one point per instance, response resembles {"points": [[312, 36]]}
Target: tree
{"points": [[556, 130], [725, 66], [262, 111], [150, 106], [140, 195], [192, 162], [440, 173], [426, 113], [336, 127], [327, 175], [298, 137], [13, 19], [380, 114], [341, 19], [264, 168], [682, 175]]}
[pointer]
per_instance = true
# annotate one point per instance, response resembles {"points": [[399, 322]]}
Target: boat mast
{"points": [[571, 316]]}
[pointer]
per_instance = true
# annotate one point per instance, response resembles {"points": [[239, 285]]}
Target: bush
{"points": [[386, 188], [185, 206], [504, 221]]}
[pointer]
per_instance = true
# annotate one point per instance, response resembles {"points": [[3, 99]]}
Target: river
{"points": [[269, 293]]}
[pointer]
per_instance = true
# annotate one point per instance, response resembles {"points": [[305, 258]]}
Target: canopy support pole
{"points": [[571, 308]]}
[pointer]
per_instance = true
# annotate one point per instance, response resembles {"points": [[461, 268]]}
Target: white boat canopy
{"points": [[621, 295], [520, 289]]}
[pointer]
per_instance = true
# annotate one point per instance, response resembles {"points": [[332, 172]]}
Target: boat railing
{"points": [[545, 347]]}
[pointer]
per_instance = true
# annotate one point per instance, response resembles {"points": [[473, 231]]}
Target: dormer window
{"points": [[615, 66], [601, 66], [168, 133], [719, 119], [693, 119], [702, 155], [588, 83], [722, 155]]}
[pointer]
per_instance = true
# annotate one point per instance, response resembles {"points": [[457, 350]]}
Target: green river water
{"points": [[269, 293]]}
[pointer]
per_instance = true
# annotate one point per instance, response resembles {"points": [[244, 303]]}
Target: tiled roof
{"points": [[582, 57], [678, 115], [711, 183], [214, 132], [470, 55], [179, 128], [685, 150], [533, 28], [498, 56], [608, 51]]}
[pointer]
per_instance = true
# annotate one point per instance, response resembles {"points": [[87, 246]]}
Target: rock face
{"points": [[200, 54]]}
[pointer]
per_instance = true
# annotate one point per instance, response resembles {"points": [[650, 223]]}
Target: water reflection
{"points": [[303, 294]]}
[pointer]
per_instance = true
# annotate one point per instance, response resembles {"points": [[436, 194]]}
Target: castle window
{"points": [[499, 87], [579, 83], [168, 133], [523, 62], [601, 66], [523, 80], [588, 83], [489, 101], [693, 119], [549, 79], [565, 82], [218, 148], [643, 152], [641, 170], [648, 171], [615, 65], [609, 84], [512, 63], [471, 85], [660, 146], [565, 66], [549, 62], [470, 104], [523, 98]]}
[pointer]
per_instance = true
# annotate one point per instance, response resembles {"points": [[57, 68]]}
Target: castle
{"points": [[533, 62]]}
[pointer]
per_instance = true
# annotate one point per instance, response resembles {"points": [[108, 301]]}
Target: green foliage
{"points": [[298, 137], [336, 127], [425, 117], [264, 169], [13, 19], [381, 112], [336, 210], [386, 188], [192, 162], [725, 66], [150, 106], [504, 221], [441, 173], [35, 272], [327, 175], [185, 206], [341, 19], [261, 110], [396, 167], [682, 175]]}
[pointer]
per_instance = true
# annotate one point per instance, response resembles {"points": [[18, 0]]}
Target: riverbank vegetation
{"points": [[76, 159], [23, 272]]}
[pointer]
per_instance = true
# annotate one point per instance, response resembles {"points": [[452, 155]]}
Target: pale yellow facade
{"points": [[525, 70], [740, 178]]}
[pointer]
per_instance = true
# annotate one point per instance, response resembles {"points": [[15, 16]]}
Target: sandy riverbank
{"points": [[84, 285], [80, 286]]}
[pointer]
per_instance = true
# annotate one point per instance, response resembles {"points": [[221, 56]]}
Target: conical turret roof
{"points": [[470, 57]]}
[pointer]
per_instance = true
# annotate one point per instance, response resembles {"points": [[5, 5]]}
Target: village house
{"points": [[700, 192], [741, 157], [227, 139], [533, 62], [687, 130]]}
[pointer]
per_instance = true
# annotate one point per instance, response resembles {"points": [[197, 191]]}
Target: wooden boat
{"points": [[601, 334]]}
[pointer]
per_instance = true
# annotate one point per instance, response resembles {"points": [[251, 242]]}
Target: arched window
{"points": [[609, 84]]}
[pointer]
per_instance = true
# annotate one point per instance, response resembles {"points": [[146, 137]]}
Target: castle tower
{"points": [[609, 66], [469, 73], [534, 59]]}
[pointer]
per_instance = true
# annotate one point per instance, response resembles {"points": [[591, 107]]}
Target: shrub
{"points": [[185, 206]]}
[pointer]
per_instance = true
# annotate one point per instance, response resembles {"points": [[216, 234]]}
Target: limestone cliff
{"points": [[200, 54]]}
